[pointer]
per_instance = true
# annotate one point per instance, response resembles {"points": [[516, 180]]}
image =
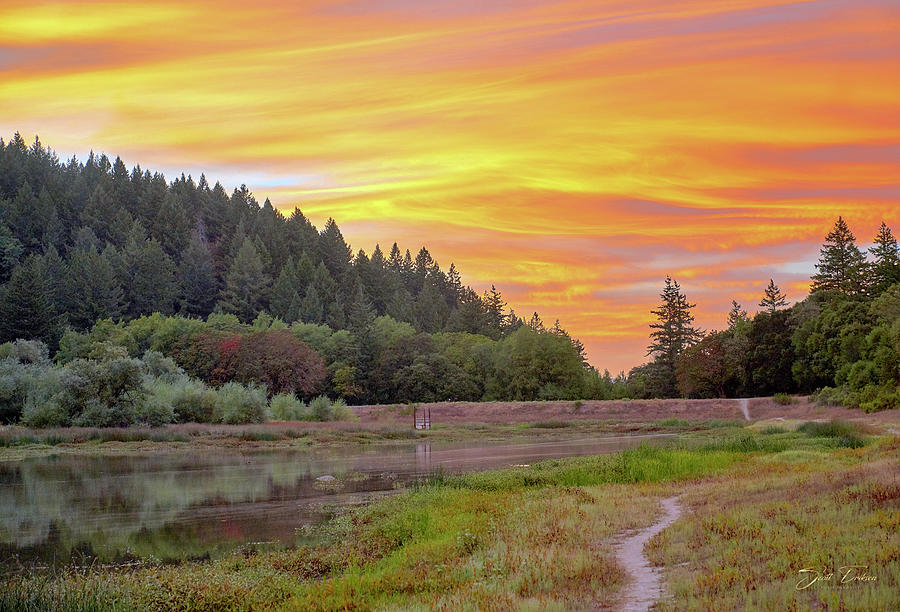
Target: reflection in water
{"points": [[175, 506]]}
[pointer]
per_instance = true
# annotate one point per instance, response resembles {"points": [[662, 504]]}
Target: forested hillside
{"points": [[122, 268], [125, 298], [118, 243]]}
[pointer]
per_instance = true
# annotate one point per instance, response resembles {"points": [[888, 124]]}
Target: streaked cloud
{"points": [[573, 152]]}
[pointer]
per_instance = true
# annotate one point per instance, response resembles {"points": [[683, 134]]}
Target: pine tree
{"points": [[536, 324], [196, 278], [495, 317], [673, 332], [26, 306], [361, 312], [335, 253], [395, 261], [54, 269], [886, 267], [311, 307], [285, 292], [454, 286], [736, 315], [92, 289], [11, 250], [246, 284], [841, 264], [147, 276], [172, 226], [773, 298], [104, 215], [430, 310]]}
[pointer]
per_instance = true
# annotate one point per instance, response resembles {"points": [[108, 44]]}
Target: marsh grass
{"points": [[742, 547], [542, 537]]}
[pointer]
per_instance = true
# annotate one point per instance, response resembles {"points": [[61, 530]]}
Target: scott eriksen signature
{"points": [[848, 574]]}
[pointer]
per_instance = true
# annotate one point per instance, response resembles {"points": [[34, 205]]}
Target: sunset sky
{"points": [[572, 152]]}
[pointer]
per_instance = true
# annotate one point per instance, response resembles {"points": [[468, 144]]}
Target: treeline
{"points": [[102, 265], [82, 242], [842, 341], [389, 363]]}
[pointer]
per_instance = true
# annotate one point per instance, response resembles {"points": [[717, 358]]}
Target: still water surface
{"points": [[78, 509]]}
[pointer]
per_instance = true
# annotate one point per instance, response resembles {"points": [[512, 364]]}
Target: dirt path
{"points": [[645, 587], [745, 408]]}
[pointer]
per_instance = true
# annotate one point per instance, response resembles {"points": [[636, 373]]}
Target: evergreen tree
{"points": [[773, 298], [395, 261], [361, 312], [147, 276], [736, 315], [54, 269], [93, 292], [536, 324], [103, 214], [172, 226], [430, 310], [26, 306], [886, 267], [841, 264], [246, 284], [454, 286], [285, 293], [311, 308], [495, 317], [335, 253], [11, 250], [673, 332], [196, 278]]}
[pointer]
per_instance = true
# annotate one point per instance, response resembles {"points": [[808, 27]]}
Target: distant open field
{"points": [[628, 411], [451, 422]]}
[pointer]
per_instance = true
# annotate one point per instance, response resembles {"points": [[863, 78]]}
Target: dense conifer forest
{"points": [[127, 298]]}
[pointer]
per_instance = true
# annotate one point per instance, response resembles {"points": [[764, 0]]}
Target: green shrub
{"points": [[158, 365], [876, 398], [101, 393], [340, 411], [194, 402], [837, 396], [783, 399], [156, 407], [154, 414], [320, 408], [845, 435], [238, 404], [42, 407], [14, 381], [26, 351], [286, 407]]}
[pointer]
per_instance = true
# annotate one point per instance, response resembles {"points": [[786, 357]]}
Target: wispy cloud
{"points": [[573, 152]]}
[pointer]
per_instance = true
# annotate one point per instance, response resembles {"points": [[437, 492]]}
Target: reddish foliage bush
{"points": [[279, 360], [275, 358], [201, 355]]}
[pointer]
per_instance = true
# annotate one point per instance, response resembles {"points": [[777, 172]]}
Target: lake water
{"points": [[74, 509]]}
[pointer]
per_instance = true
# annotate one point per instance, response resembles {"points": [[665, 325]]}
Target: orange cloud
{"points": [[572, 152]]}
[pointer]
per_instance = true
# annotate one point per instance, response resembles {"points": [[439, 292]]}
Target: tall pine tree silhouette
{"points": [[841, 264]]}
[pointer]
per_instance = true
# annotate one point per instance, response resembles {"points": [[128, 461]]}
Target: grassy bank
{"points": [[762, 507]]}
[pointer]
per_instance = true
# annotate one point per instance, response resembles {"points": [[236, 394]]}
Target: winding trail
{"points": [[745, 408], [645, 587]]}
